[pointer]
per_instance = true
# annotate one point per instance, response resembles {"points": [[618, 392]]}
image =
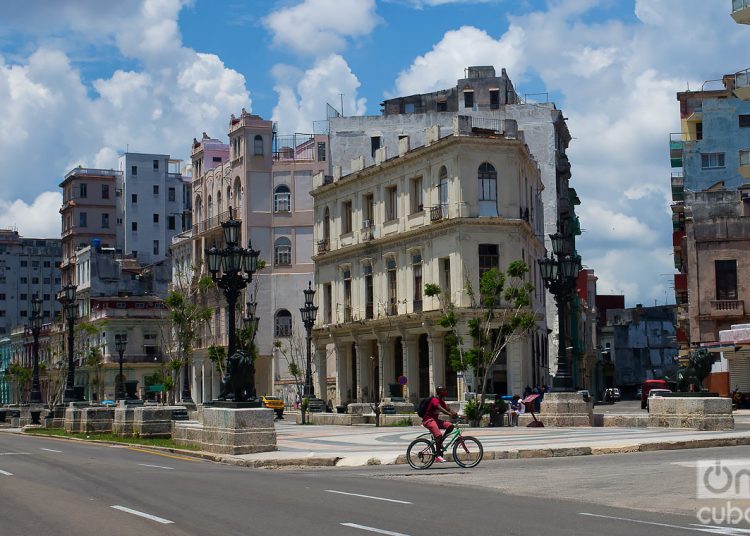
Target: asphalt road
{"points": [[52, 487]]}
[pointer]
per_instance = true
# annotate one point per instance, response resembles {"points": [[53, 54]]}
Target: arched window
{"points": [[443, 191], [282, 199], [229, 196], [218, 203], [283, 323], [282, 251], [210, 213], [487, 182], [238, 194], [198, 209], [258, 145]]}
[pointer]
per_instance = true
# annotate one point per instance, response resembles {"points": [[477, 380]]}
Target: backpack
{"points": [[422, 408]]}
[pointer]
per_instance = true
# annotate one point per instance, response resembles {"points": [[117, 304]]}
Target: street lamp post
{"points": [[251, 321], [309, 312], [121, 342], [67, 297], [35, 396], [232, 268], [559, 273]]}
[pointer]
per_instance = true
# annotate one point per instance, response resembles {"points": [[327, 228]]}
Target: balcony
{"points": [[741, 11], [323, 246], [417, 306], [439, 212], [211, 223], [675, 150], [727, 308], [347, 313], [367, 233]]}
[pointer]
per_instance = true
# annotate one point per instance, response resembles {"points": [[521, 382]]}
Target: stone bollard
{"points": [[700, 413]]}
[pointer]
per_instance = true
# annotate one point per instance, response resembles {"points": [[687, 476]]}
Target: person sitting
{"points": [[516, 408]]}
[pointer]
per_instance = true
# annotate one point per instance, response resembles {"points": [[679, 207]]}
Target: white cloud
{"points": [[320, 27], [29, 218], [302, 99], [420, 4], [51, 120]]}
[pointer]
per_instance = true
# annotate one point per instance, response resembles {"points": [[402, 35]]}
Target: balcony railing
{"points": [[727, 307], [417, 306], [740, 4], [211, 223], [347, 313], [323, 246], [369, 314], [438, 212], [391, 308]]}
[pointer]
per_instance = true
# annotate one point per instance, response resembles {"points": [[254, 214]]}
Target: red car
{"points": [[647, 386]]}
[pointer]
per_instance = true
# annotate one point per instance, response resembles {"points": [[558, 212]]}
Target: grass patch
{"points": [[129, 440], [401, 422]]}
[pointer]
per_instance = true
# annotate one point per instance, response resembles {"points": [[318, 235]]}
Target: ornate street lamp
{"points": [[35, 396], [121, 342], [559, 272], [309, 312], [67, 297], [232, 269], [251, 321]]}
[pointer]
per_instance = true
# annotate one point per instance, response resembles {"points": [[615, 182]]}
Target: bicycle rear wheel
{"points": [[467, 451], [420, 454]]}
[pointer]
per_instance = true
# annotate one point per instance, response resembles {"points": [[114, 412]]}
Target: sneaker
{"points": [[439, 459]]}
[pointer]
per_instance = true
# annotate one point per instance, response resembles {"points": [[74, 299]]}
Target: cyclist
{"points": [[432, 422]]}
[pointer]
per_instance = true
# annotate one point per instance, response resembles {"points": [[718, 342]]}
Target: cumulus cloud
{"points": [[618, 83], [29, 218], [53, 120], [303, 95], [320, 27]]}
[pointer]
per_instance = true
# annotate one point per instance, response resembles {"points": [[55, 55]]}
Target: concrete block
{"points": [[229, 430], [566, 410], [710, 413], [154, 421], [97, 419]]}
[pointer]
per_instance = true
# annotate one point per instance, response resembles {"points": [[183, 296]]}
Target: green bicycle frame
{"points": [[447, 441]]}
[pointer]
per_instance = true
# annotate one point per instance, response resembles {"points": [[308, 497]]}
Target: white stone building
{"points": [[443, 212]]}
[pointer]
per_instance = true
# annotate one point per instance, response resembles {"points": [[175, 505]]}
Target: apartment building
{"points": [[443, 212], [28, 267], [488, 99], [265, 179], [88, 213], [153, 205]]}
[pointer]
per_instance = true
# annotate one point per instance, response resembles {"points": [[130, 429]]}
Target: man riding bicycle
{"points": [[432, 422]]}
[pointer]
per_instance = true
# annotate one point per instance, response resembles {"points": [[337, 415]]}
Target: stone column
{"points": [[206, 387], [321, 368], [358, 369], [342, 372], [411, 367], [516, 352]]}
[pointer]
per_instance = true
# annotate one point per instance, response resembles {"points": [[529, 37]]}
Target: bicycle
{"points": [[467, 450]]}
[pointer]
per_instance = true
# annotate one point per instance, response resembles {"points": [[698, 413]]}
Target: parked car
{"points": [[616, 393], [655, 393], [648, 385], [585, 394], [611, 395], [274, 403]]}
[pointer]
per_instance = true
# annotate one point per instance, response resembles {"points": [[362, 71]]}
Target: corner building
{"points": [[440, 213]]}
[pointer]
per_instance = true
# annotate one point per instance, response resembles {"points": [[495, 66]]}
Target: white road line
{"points": [[373, 529], [50, 450], [142, 514], [156, 466], [13, 453], [6, 473], [680, 527], [367, 496]]}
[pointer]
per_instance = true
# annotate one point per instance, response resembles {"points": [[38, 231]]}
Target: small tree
{"points": [[95, 364], [498, 315], [20, 378], [294, 353]]}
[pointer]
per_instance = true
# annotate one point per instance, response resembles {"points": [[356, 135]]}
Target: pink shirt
{"points": [[432, 411]]}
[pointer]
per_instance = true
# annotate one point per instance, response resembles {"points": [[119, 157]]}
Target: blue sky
{"points": [[81, 80]]}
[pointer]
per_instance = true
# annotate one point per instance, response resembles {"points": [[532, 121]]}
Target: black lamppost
{"points": [[121, 342], [309, 312], [67, 297], [251, 321], [232, 268], [35, 396], [559, 273]]}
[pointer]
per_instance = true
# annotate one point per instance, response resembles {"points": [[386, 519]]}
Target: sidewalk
{"points": [[351, 446]]}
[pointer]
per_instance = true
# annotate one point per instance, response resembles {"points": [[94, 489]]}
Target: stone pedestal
{"points": [[566, 410], [124, 415], [698, 413], [72, 421], [228, 430], [55, 418], [97, 419], [154, 421]]}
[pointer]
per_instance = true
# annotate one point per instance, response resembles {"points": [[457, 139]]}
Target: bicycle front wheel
{"points": [[420, 454], [467, 451]]}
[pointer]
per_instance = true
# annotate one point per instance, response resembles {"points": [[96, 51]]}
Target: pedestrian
{"points": [[516, 408]]}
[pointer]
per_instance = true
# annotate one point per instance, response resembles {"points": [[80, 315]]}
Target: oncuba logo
{"points": [[723, 479]]}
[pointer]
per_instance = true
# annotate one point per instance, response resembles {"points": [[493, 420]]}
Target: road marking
{"points": [[165, 455], [13, 453], [142, 514], [50, 450], [156, 466], [6, 473], [373, 529], [695, 528], [367, 496]]}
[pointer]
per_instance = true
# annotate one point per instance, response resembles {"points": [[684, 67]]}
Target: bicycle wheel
{"points": [[467, 451], [420, 454]]}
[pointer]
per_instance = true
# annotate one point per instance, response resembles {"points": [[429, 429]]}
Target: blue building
{"points": [[4, 363]]}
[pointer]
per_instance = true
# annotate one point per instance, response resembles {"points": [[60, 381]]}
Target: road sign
{"points": [[402, 380]]}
